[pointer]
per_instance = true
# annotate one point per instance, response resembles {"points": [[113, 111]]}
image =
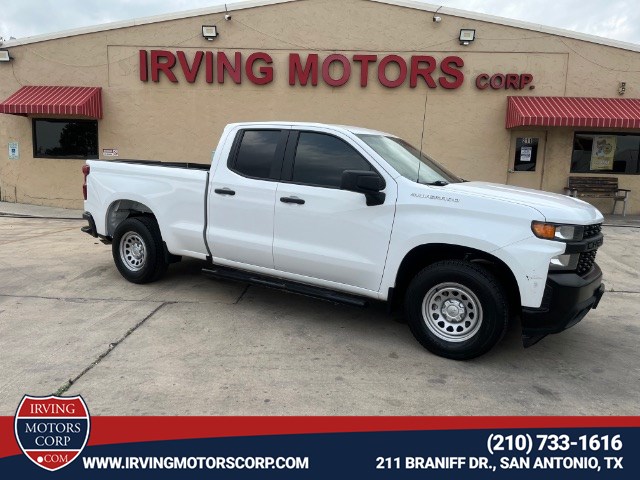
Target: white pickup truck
{"points": [[350, 215]]}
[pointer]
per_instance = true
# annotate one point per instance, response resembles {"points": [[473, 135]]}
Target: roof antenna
{"points": [[424, 118]]}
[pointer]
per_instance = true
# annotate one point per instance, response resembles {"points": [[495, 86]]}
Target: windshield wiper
{"points": [[438, 183]]}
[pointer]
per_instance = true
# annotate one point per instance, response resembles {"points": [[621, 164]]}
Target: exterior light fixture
{"points": [[4, 56], [467, 35], [209, 32], [622, 88]]}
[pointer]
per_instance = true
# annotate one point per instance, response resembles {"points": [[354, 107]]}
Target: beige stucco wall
{"points": [[464, 128]]}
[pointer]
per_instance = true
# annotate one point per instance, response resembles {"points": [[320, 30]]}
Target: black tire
{"points": [[456, 309], [138, 251]]}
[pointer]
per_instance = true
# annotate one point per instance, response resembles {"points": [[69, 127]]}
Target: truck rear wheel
{"points": [[138, 251], [456, 309]]}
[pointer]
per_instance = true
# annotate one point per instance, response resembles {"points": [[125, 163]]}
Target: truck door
{"points": [[242, 196], [321, 231]]}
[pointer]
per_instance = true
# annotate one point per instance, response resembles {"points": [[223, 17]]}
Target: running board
{"points": [[287, 285]]}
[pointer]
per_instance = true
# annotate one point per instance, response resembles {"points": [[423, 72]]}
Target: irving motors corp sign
{"points": [[335, 70]]}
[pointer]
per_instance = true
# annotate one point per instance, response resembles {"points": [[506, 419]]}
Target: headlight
{"points": [[552, 231]]}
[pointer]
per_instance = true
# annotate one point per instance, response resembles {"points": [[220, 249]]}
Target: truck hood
{"points": [[553, 206]]}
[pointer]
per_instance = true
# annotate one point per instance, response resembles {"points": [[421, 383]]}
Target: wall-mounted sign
{"points": [[526, 155], [109, 152], [504, 81], [14, 151], [603, 152], [334, 70]]}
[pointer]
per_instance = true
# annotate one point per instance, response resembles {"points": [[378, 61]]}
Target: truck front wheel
{"points": [[456, 309], [138, 251]]}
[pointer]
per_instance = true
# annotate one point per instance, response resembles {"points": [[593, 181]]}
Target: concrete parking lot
{"points": [[189, 345]]}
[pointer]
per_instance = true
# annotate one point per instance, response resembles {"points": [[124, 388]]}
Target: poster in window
{"points": [[603, 152], [526, 154]]}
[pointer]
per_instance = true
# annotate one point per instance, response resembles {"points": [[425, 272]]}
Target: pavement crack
{"points": [[239, 299], [22, 239], [109, 349], [89, 300]]}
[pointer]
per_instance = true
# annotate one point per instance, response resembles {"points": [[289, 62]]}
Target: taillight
{"points": [[86, 169]]}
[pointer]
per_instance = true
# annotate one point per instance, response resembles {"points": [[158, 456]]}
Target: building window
{"points": [[54, 138], [603, 152]]}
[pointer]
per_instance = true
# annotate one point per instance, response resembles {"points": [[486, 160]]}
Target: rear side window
{"points": [[256, 153], [320, 160]]}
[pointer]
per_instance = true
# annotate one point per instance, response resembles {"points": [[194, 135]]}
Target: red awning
{"points": [[34, 100], [573, 112]]}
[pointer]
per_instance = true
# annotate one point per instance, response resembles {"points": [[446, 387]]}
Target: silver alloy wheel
{"points": [[452, 312], [133, 251]]}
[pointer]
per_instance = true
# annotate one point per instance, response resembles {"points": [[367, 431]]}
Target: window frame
{"points": [[603, 172], [34, 138], [290, 154], [278, 156]]}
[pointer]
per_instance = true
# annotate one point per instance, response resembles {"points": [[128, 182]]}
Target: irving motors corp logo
{"points": [[52, 431]]}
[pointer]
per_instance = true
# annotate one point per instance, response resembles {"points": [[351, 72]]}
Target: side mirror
{"points": [[366, 182]]}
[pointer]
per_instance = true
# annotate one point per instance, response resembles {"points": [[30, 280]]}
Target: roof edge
{"points": [[244, 4], [224, 7], [454, 12]]}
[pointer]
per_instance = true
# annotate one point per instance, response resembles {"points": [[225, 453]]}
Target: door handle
{"points": [[224, 191], [296, 200]]}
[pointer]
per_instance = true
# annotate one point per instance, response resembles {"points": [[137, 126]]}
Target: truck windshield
{"points": [[408, 161]]}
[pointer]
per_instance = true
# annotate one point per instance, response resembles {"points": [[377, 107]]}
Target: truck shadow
{"points": [[374, 321]]}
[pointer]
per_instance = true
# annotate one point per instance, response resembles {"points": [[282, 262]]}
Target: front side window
{"points": [[615, 153], [408, 161], [320, 160], [256, 153], [54, 138]]}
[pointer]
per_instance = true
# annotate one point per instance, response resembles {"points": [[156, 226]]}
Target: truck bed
{"points": [[175, 192], [157, 163]]}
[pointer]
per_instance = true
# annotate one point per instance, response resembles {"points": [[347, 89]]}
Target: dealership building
{"points": [[491, 99]]}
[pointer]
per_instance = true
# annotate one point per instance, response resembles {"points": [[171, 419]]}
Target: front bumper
{"points": [[568, 297]]}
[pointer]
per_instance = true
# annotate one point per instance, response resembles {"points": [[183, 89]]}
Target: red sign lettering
{"points": [[165, 66], [482, 81], [448, 68], [144, 69], [382, 71], [334, 70], [500, 81], [364, 61], [266, 73], [224, 65], [346, 70], [425, 72], [190, 71], [296, 70]]}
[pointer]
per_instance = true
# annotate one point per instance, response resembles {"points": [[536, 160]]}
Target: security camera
{"points": [[227, 17], [437, 19]]}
